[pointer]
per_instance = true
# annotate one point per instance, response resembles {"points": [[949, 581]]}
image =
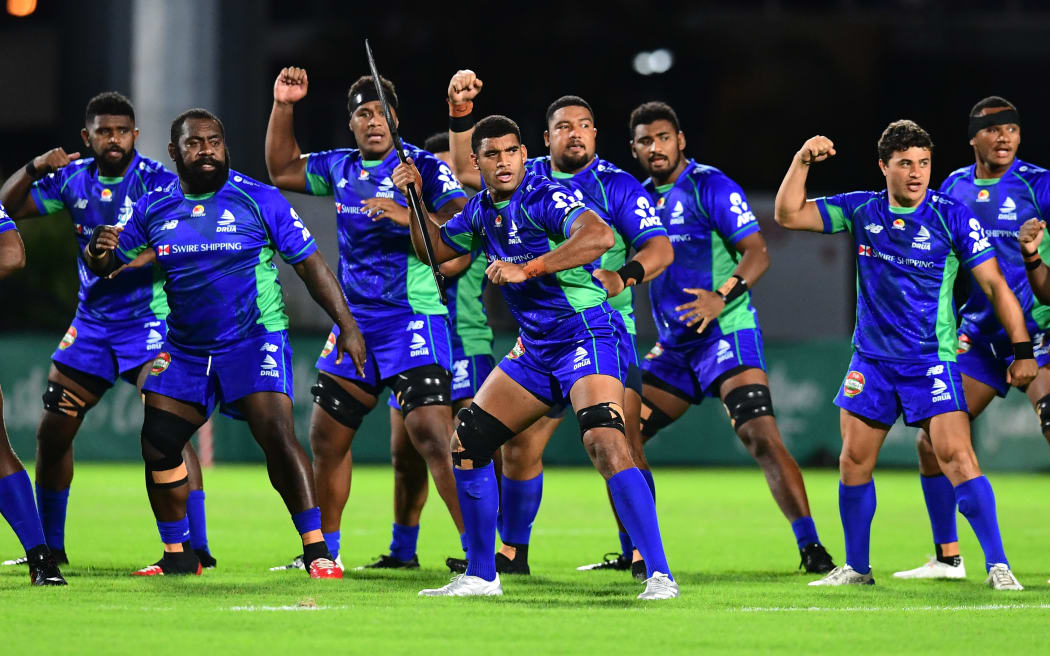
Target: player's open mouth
{"points": [[914, 186], [506, 176], [207, 166], [653, 161], [1002, 152], [375, 136]]}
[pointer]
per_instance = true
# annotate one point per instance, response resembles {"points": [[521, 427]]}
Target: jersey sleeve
{"points": [[553, 208], [1040, 186], [439, 183], [728, 208], [133, 239], [458, 233], [47, 192], [837, 211], [6, 224], [319, 171], [289, 235], [633, 212], [968, 236]]}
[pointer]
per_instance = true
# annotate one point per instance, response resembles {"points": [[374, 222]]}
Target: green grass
{"points": [[731, 551]]}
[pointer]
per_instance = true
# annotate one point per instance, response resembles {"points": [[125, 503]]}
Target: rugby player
{"points": [[910, 243], [541, 243], [617, 197], [391, 292], [120, 322], [1001, 191], [215, 233], [710, 343], [16, 493]]}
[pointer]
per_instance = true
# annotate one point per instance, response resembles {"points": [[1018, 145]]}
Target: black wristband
{"points": [[1023, 351], [736, 291], [461, 123], [32, 171], [631, 270], [1034, 264]]}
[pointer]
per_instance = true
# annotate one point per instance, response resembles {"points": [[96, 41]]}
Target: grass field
{"points": [[731, 551]]}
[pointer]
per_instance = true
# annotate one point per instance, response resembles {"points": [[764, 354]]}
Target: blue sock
{"points": [[626, 546], [648, 476], [940, 504], [977, 504], [52, 506], [19, 509], [198, 525], [479, 500], [521, 503], [857, 509], [331, 540], [175, 532], [637, 510], [805, 531], [307, 520], [403, 544]]}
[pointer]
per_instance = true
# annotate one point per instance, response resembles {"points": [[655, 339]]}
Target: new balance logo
{"points": [[873, 228], [935, 370], [581, 359], [226, 222], [418, 346], [269, 348], [342, 183], [939, 391], [80, 204], [269, 367], [170, 225]]}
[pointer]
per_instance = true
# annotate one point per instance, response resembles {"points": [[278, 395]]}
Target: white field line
{"points": [[256, 609], [876, 609]]}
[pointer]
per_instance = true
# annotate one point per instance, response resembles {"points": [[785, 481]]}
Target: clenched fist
{"points": [[290, 85], [816, 149]]}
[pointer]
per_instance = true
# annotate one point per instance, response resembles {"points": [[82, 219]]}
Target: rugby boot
{"points": [[386, 561], [43, 567], [462, 585], [174, 563], [816, 559]]}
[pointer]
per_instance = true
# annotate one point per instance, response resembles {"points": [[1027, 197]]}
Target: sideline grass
{"points": [[731, 550]]}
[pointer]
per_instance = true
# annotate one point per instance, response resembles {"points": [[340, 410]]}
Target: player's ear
{"points": [[474, 161], [172, 151], [84, 136], [524, 153], [681, 140], [883, 167], [134, 135], [547, 138], [634, 154]]}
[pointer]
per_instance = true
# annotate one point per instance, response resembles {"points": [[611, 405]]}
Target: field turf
{"points": [[731, 550]]}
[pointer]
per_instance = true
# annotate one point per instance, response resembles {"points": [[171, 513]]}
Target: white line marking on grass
{"points": [[876, 609], [252, 609]]}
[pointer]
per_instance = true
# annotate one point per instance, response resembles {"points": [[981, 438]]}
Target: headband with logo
{"points": [[978, 123], [368, 94]]}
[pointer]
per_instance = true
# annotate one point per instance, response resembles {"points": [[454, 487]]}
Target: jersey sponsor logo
{"points": [[447, 179], [864, 250], [980, 240], [236, 178], [922, 239], [939, 391], [898, 224], [269, 367], [740, 208], [656, 351], [226, 222], [854, 384], [661, 202], [82, 229], [160, 363], [581, 359], [725, 351], [418, 346], [567, 202], [1042, 344], [363, 174], [197, 211], [298, 223], [80, 204], [154, 340], [964, 344], [873, 228], [68, 339], [329, 346], [499, 220], [170, 225], [647, 213], [517, 351], [163, 249], [106, 196], [935, 370], [675, 238], [1008, 210], [983, 196], [342, 183], [677, 214], [460, 374]]}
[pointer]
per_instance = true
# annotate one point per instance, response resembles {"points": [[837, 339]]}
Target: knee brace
{"points": [[1042, 406], [428, 385], [480, 434], [63, 401], [655, 420], [164, 435], [601, 415], [747, 402], [338, 403]]}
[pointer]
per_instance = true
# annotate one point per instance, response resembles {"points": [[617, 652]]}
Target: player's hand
{"points": [[386, 208], [145, 258], [464, 87], [1031, 235], [1021, 372], [104, 239], [611, 280], [351, 342], [405, 173], [290, 85], [53, 160], [501, 273], [705, 309], [816, 149]]}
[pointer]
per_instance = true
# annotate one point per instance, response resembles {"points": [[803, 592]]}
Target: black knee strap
{"points": [[1042, 406], [427, 385], [601, 415], [656, 421], [480, 434], [61, 400], [94, 385], [164, 435], [747, 402], [338, 403]]}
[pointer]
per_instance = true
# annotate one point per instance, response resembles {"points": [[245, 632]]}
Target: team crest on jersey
{"points": [[329, 346], [983, 196], [106, 196], [268, 367], [677, 214], [68, 339], [1008, 210], [160, 363], [517, 351], [226, 221], [418, 346], [660, 203], [498, 221], [964, 344], [922, 239], [656, 351], [898, 224], [854, 384]]}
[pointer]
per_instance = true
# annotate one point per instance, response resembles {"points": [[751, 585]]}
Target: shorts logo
{"points": [[106, 196], [68, 339], [329, 346], [983, 196], [922, 239], [154, 340], [460, 374], [415, 324], [656, 351], [198, 211], [935, 370], [939, 391], [1041, 344], [725, 351], [269, 366], [418, 347], [269, 348], [517, 351], [1008, 210], [581, 359], [160, 364], [226, 222], [898, 224], [854, 384]]}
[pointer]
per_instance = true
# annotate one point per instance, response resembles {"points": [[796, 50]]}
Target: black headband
{"points": [[978, 123], [368, 94]]}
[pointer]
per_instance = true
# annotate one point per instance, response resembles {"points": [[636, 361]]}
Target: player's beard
{"points": [[113, 170], [569, 162], [196, 181]]}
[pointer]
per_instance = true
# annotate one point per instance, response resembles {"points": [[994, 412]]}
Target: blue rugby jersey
{"points": [[907, 260], [5, 220], [216, 252], [466, 311]]}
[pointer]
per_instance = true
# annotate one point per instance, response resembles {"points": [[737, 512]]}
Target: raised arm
{"points": [[463, 88], [1030, 237], [325, 290], [988, 275], [14, 195], [792, 210], [284, 160], [12, 253]]}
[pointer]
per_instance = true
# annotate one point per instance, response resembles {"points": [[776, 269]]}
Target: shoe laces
{"points": [[323, 563], [1001, 575]]}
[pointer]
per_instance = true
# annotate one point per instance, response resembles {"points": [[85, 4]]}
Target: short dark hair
{"points": [[491, 127], [197, 113], [567, 101], [653, 111], [902, 135], [991, 101], [436, 143], [366, 82], [111, 103]]}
